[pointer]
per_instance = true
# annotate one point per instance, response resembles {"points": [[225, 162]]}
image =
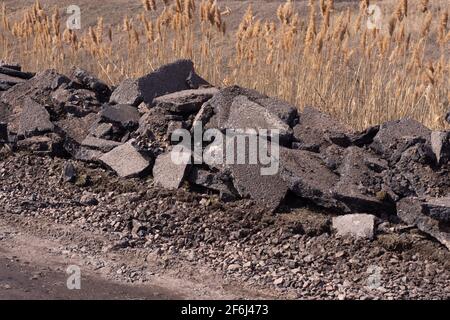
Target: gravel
{"points": [[293, 253]]}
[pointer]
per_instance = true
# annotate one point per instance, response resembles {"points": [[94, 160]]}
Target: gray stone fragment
{"points": [[100, 144], [158, 125], [127, 93], [92, 83], [251, 178], [435, 208], [173, 77], [34, 119], [37, 88], [49, 144], [355, 225], [126, 161], [392, 132], [124, 114], [100, 130], [144, 107], [413, 173], [245, 114], [14, 66], [438, 208], [286, 112], [87, 154], [216, 112], [217, 181], [77, 128], [9, 80], [413, 211], [359, 184], [168, 173], [4, 86], [203, 116], [69, 172], [79, 102], [62, 96], [186, 101], [242, 110], [364, 137], [308, 177], [440, 144], [403, 151], [13, 72], [317, 130], [169, 78], [332, 156], [269, 191], [375, 163]]}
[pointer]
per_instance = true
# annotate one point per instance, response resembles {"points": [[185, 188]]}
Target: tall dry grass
{"points": [[329, 58]]}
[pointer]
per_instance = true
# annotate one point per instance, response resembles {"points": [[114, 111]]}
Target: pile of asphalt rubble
{"points": [[399, 169]]}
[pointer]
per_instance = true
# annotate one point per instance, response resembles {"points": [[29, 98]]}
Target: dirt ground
{"points": [[23, 281], [32, 266]]}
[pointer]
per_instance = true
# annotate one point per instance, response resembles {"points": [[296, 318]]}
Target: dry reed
{"points": [[328, 59]]}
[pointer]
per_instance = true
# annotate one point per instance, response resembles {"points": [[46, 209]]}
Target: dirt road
{"points": [[21, 280], [31, 268], [34, 258]]}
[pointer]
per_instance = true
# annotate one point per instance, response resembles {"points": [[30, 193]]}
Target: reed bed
{"points": [[362, 73]]}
